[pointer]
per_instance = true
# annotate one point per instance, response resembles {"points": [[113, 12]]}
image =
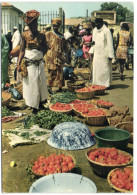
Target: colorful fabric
{"points": [[124, 37], [87, 39], [35, 42], [4, 60], [30, 16], [55, 59]]}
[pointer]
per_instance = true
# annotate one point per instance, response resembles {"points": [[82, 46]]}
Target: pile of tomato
{"points": [[85, 89], [97, 87], [76, 102], [61, 107], [53, 164], [94, 112], [84, 108], [123, 178], [105, 103], [109, 156]]}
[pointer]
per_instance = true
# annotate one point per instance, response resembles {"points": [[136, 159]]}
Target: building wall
{"points": [[9, 19]]}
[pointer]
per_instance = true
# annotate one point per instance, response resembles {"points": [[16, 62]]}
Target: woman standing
{"points": [[55, 55], [123, 41], [86, 40], [32, 49]]}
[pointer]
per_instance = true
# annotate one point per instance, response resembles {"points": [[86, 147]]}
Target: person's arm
{"points": [[117, 40], [22, 52], [110, 45], [43, 46], [81, 44]]}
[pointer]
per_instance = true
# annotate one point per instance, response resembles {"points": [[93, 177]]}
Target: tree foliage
{"points": [[121, 11]]}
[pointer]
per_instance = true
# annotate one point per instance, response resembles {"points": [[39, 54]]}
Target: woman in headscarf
{"points": [[55, 57], [33, 47], [86, 40], [123, 41]]}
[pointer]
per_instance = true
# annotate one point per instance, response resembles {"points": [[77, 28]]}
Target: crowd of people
{"points": [[90, 47]]}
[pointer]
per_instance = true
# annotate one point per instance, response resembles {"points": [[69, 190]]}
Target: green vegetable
{"points": [[64, 97], [25, 135], [47, 119], [6, 112], [13, 132], [39, 133]]}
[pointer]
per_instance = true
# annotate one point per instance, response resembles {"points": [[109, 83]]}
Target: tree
{"points": [[121, 11]]}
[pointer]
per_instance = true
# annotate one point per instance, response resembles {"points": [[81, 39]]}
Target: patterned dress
{"points": [[55, 59], [124, 37], [87, 39]]}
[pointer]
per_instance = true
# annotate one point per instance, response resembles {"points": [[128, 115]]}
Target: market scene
{"points": [[67, 97]]}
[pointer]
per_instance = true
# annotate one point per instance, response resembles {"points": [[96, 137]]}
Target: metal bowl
{"points": [[63, 183]]}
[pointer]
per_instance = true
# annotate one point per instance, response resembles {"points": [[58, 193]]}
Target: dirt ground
{"points": [[15, 179]]}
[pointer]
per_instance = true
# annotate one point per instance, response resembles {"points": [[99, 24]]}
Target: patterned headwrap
{"points": [[56, 21], [30, 16]]}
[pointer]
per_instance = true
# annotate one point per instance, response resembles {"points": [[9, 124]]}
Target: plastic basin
{"points": [[112, 137], [63, 183]]}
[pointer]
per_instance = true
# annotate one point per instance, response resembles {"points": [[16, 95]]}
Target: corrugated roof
{"points": [[6, 4], [10, 5]]}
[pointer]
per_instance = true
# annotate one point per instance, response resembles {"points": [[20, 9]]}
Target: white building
{"points": [[10, 17]]}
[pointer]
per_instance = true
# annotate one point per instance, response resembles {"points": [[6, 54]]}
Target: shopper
{"points": [[102, 54], [33, 47], [123, 41], [55, 57]]}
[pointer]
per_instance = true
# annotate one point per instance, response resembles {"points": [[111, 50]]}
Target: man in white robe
{"points": [[15, 41], [102, 53]]}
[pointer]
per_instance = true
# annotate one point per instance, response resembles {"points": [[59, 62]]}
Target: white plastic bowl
{"points": [[63, 183]]}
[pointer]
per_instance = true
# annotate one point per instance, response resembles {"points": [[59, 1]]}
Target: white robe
{"points": [[102, 50], [16, 39], [15, 42], [34, 84]]}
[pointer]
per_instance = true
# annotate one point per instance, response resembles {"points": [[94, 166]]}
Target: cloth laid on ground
{"points": [[6, 119], [20, 136]]}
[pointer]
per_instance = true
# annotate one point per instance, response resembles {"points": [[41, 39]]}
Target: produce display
{"points": [[64, 97], [122, 179], [109, 156], [104, 103], [60, 107], [75, 102], [6, 112], [85, 89], [47, 119], [53, 164], [94, 112], [84, 108], [97, 87]]}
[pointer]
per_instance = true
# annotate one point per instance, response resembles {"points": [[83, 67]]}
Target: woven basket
{"points": [[85, 95], [95, 120], [60, 111], [85, 73], [128, 126], [100, 91], [79, 114], [38, 176], [76, 85], [103, 169], [113, 186], [6, 96]]}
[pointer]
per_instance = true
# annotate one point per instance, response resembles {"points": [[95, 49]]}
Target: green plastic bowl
{"points": [[112, 137]]}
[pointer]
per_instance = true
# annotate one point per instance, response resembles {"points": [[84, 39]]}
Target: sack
{"points": [[15, 94], [23, 68]]}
